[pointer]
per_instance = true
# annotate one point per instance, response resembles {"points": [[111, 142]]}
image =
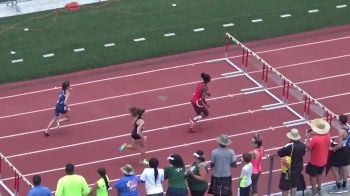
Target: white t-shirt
{"points": [[246, 175], [151, 186]]}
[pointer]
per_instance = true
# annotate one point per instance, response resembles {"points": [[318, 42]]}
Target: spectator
{"points": [[317, 142], [257, 155], [100, 188], [129, 184], [72, 184], [38, 189], [245, 179], [340, 158], [291, 178], [197, 175], [222, 159], [153, 177], [175, 173]]}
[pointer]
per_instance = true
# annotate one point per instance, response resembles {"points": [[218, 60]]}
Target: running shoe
{"points": [[335, 190], [46, 134], [144, 162], [344, 189], [122, 147]]}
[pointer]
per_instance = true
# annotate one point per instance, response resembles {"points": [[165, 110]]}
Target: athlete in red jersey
{"points": [[198, 100]]}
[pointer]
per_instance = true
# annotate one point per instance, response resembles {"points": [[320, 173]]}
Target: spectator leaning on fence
{"points": [[340, 158], [38, 189], [291, 177], [317, 142], [72, 184], [222, 159]]}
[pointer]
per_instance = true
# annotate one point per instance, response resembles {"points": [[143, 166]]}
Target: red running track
{"points": [[316, 61]]}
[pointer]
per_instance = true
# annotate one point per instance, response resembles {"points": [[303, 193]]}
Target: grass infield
{"points": [[122, 21]]}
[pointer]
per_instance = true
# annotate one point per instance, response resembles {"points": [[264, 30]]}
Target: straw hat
{"points": [[294, 134], [128, 170], [320, 126], [223, 140]]}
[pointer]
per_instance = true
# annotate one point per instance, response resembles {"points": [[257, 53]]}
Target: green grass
{"points": [[122, 21]]}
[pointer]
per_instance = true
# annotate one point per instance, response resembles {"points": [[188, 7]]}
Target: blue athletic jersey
{"points": [[346, 140], [61, 98]]}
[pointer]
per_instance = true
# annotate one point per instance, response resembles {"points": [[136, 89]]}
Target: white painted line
{"points": [[235, 75], [198, 29], [139, 39], [257, 20], [296, 124], [272, 105], [313, 11], [17, 61], [215, 60], [252, 89], [293, 121], [109, 45], [228, 25], [169, 34], [79, 50], [197, 63], [341, 6], [48, 55], [286, 15]]}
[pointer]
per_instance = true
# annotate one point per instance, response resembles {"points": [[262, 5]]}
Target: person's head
{"points": [[247, 157], [102, 172], [199, 156], [256, 141], [65, 85], [36, 180], [136, 111], [320, 126], [205, 77], [176, 161], [343, 119], [153, 163], [69, 168], [293, 135], [128, 170], [223, 140]]}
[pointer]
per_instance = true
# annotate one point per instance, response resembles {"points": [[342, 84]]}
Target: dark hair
{"points": [[36, 180], [206, 77], [201, 155], [153, 163], [135, 111], [102, 172], [343, 119], [258, 140], [177, 162], [65, 85], [247, 157], [69, 168]]}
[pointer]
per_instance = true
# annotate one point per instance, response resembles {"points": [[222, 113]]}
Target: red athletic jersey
{"points": [[199, 92]]}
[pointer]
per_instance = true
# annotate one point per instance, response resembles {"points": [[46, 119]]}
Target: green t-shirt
{"points": [[176, 177], [193, 183], [70, 185], [101, 187]]}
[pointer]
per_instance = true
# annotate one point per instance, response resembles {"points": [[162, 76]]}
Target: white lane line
{"points": [[286, 15], [48, 55], [198, 29], [176, 67], [109, 45], [257, 20], [313, 11], [341, 6], [17, 61], [190, 83], [79, 50], [169, 34], [228, 25], [140, 39]]}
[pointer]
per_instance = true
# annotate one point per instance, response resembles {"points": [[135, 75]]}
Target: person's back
{"points": [[38, 189], [70, 185], [222, 158], [319, 146]]}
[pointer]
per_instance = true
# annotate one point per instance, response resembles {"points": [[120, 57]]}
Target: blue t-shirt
{"points": [[61, 98], [40, 191], [128, 186]]}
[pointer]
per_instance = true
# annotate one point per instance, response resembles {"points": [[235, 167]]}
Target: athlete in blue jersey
{"points": [[61, 107]]}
